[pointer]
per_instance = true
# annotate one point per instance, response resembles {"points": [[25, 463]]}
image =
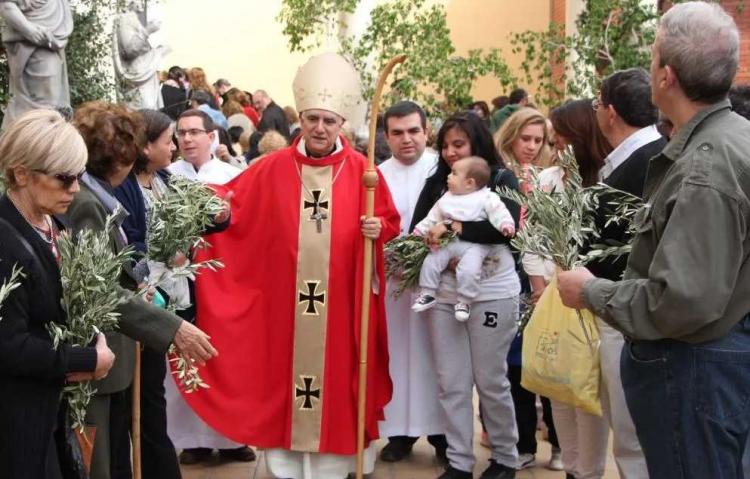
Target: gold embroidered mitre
{"points": [[329, 82]]}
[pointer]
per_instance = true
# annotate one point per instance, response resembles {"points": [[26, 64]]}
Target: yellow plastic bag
{"points": [[561, 353]]}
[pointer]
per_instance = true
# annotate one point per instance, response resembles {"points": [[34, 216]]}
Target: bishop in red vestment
{"points": [[284, 312]]}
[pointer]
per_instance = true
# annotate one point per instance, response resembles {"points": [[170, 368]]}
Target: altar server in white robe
{"points": [[414, 410]]}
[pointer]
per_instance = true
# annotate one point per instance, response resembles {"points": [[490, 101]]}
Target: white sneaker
{"points": [[462, 312], [555, 462], [526, 461]]}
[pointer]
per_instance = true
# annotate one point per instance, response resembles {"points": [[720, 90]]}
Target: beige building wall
{"points": [[489, 24], [235, 39], [242, 41]]}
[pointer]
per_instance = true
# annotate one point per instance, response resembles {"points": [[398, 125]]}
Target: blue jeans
{"points": [[690, 403]]}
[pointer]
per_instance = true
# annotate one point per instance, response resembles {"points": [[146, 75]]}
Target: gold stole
{"points": [[311, 314]]}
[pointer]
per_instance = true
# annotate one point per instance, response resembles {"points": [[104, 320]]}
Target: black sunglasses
{"points": [[66, 180]]}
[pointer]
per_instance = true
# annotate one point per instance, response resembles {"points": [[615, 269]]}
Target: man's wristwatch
{"points": [[448, 225]]}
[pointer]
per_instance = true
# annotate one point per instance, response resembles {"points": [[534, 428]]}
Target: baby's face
{"points": [[458, 183]]}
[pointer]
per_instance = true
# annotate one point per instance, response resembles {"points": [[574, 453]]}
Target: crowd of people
{"points": [[276, 330]]}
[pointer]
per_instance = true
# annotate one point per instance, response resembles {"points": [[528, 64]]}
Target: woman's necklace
{"points": [[47, 233], [145, 180], [42, 230]]}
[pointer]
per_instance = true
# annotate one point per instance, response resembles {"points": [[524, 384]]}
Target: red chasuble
{"points": [[284, 312]]}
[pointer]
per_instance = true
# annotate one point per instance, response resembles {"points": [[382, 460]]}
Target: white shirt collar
{"points": [[623, 151], [427, 157]]}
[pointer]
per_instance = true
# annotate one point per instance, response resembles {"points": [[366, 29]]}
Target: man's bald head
{"points": [[261, 100]]}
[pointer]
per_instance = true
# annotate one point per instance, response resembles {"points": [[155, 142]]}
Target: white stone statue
{"points": [[34, 34], [136, 60]]}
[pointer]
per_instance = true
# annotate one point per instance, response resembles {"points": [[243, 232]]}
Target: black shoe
{"points": [[395, 451], [453, 473], [498, 471], [241, 454], [195, 455], [423, 303]]}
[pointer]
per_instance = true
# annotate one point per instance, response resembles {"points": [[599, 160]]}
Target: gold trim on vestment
{"points": [[311, 313]]}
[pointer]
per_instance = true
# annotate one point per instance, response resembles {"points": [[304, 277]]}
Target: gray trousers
{"points": [[468, 270], [631, 464], [469, 354]]}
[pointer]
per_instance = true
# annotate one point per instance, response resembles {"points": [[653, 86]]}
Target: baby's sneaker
{"points": [[463, 311], [423, 303]]}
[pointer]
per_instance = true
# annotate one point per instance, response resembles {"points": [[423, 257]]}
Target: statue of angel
{"points": [[136, 60]]}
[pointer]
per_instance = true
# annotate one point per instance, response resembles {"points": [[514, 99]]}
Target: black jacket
{"points": [[473, 231], [32, 373], [629, 177], [175, 100]]}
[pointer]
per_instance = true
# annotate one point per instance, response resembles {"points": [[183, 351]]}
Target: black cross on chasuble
{"points": [[316, 205], [307, 393], [312, 297]]}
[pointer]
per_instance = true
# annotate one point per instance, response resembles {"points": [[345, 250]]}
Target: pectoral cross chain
{"points": [[318, 218], [316, 205]]}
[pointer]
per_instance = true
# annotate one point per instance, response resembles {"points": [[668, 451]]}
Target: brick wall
{"points": [[557, 14], [740, 10]]}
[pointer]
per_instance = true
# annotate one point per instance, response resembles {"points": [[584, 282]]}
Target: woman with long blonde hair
{"points": [[522, 142]]}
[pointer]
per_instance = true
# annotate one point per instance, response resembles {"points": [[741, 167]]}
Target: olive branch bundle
{"points": [[176, 222], [560, 224], [90, 274], [11, 283], [404, 257]]}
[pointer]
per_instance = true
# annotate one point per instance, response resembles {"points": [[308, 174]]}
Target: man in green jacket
{"points": [[684, 301], [518, 99]]}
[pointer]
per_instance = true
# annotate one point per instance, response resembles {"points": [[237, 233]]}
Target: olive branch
{"points": [[90, 275], [176, 223]]}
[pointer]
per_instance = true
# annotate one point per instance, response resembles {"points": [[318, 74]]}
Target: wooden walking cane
{"points": [[136, 419], [370, 181]]}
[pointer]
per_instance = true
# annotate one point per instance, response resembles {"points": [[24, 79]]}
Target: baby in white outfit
{"points": [[467, 199]]}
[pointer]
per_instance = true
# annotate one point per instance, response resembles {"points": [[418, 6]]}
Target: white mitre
{"points": [[329, 82]]}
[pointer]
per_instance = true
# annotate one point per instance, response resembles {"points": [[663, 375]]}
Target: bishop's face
{"points": [[320, 129]]}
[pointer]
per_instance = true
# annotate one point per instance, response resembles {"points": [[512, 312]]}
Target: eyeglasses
{"points": [[66, 179], [192, 132], [596, 104]]}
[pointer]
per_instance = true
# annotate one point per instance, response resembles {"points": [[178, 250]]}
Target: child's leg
{"points": [[433, 266], [469, 271]]}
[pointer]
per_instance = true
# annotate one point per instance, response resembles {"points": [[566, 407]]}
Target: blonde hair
{"points": [[511, 130], [291, 115], [271, 141], [231, 107], [41, 140]]}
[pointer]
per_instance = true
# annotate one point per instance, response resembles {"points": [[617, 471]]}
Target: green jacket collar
{"points": [[677, 145]]}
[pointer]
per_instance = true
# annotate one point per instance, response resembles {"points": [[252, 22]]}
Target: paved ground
{"points": [[420, 465]]}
